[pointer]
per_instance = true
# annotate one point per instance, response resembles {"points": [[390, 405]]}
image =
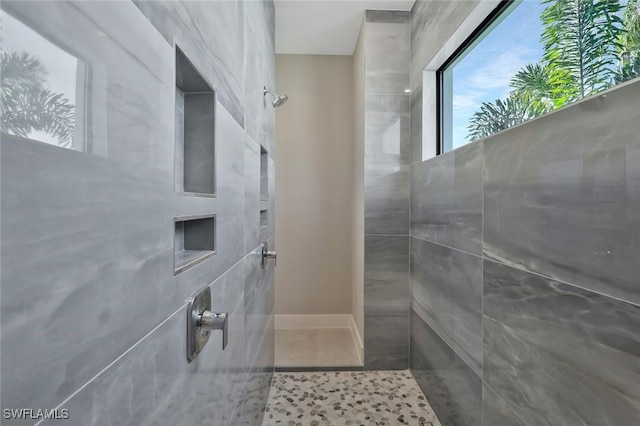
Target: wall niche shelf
{"points": [[264, 219], [264, 174], [194, 131], [194, 241]]}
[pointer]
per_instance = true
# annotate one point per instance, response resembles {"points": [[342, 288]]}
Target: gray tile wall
{"points": [[525, 305], [93, 319], [386, 190]]}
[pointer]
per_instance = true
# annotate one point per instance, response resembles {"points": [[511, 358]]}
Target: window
{"points": [[47, 92], [532, 57]]}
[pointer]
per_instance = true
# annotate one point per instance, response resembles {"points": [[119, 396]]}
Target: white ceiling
{"points": [[324, 27]]}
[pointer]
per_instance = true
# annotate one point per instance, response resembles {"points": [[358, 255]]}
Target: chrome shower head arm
{"points": [[278, 100], [265, 91]]}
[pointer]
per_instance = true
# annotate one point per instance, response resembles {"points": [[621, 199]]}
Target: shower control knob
{"points": [[266, 254], [209, 321]]}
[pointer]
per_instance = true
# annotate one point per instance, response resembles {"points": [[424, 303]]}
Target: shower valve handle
{"points": [[266, 254], [209, 321]]}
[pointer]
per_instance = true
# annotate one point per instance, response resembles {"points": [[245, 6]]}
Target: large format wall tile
{"points": [[562, 195], [88, 236], [494, 410], [386, 189], [432, 24], [557, 354], [259, 71], [387, 40], [452, 388], [386, 302], [446, 287], [446, 199], [416, 125], [386, 275], [152, 384], [386, 341], [94, 238], [212, 35]]}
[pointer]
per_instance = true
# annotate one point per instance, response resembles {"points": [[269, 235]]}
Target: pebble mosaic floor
{"points": [[376, 398]]}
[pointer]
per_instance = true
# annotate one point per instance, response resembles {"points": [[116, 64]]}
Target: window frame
{"points": [[492, 19]]}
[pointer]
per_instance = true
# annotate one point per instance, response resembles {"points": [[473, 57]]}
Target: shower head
{"points": [[278, 100]]}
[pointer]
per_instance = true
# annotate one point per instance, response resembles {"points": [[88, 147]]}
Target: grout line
{"points": [[503, 401], [115, 361], [409, 284], [387, 235], [449, 247], [599, 293], [447, 343], [142, 339], [482, 286]]}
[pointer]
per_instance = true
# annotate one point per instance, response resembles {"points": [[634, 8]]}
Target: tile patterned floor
{"points": [[316, 347], [376, 398]]}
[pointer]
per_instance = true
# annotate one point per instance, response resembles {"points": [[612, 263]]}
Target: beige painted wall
{"points": [[314, 183], [357, 253]]}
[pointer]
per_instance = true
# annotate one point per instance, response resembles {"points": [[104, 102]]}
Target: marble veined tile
{"points": [[212, 34], [452, 388], [446, 290], [446, 199], [258, 299], [387, 164], [386, 274], [388, 16], [494, 410], [87, 238], [432, 24], [386, 302], [153, 384], [259, 70], [386, 339], [387, 57], [251, 194], [416, 125], [559, 355], [562, 195]]}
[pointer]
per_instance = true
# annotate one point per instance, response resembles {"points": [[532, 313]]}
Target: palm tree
{"points": [[581, 38], [581, 41], [629, 65], [502, 114], [544, 84], [27, 105]]}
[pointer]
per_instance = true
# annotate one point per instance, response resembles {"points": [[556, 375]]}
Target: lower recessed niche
{"points": [[194, 241]]}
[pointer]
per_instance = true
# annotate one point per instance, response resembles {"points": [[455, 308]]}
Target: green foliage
{"points": [[583, 42], [544, 85], [631, 21], [502, 114], [629, 69], [630, 44], [27, 105], [581, 38]]}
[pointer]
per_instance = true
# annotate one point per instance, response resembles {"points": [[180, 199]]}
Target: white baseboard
{"points": [[288, 322], [284, 322], [357, 340]]}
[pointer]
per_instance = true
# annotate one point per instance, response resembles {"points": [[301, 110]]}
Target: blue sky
{"points": [[483, 75]]}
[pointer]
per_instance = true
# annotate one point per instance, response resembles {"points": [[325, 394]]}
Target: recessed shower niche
{"points": [[194, 241], [264, 174], [195, 130]]}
